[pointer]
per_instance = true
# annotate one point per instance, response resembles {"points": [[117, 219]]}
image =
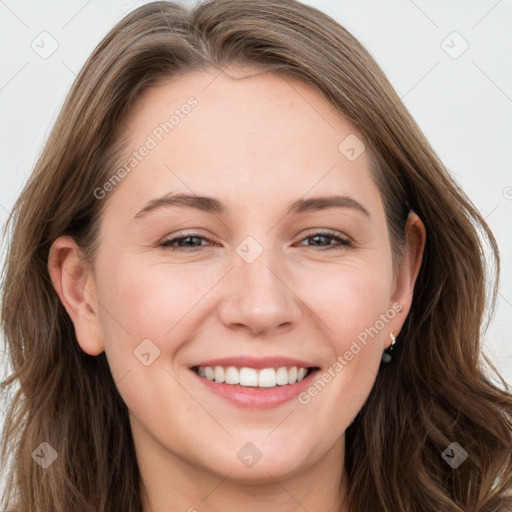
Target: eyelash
{"points": [[343, 242]]}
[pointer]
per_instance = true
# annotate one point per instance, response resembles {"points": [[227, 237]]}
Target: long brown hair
{"points": [[437, 389]]}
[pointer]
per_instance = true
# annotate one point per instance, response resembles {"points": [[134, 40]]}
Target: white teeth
{"points": [[267, 378], [282, 376], [248, 377], [264, 378], [231, 375], [301, 373], [219, 374]]}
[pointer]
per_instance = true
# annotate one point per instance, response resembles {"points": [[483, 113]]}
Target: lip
{"points": [[256, 362], [257, 398]]}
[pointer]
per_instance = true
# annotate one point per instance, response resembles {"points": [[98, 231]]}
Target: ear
{"points": [[415, 236], [74, 283]]}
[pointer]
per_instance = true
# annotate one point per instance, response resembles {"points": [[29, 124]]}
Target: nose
{"points": [[258, 299]]}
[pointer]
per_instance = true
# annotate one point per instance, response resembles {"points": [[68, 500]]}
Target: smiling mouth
{"points": [[252, 377]]}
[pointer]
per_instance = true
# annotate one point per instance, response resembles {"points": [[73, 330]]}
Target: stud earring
{"points": [[386, 356]]}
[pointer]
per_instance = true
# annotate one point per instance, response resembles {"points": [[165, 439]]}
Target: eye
{"points": [[191, 242], [342, 242], [187, 239]]}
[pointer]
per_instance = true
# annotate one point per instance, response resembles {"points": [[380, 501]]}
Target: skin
{"points": [[256, 144]]}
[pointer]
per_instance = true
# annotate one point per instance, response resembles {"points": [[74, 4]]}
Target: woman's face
{"points": [[259, 279]]}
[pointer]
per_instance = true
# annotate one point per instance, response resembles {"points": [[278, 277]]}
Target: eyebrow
{"points": [[212, 205]]}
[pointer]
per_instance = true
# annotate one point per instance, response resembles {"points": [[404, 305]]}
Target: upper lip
{"points": [[256, 362]]}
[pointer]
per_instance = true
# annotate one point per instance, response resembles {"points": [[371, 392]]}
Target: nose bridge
{"points": [[259, 297]]}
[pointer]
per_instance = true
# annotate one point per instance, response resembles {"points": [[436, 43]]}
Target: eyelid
{"points": [[186, 234], [326, 232], [189, 232], [310, 232], [344, 241]]}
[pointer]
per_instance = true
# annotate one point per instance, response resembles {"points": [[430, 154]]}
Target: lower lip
{"points": [[260, 398]]}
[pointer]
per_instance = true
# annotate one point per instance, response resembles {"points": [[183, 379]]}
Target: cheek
{"points": [[353, 302], [141, 301], [148, 312], [349, 298]]}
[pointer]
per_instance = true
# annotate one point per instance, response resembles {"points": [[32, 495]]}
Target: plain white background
{"points": [[448, 60]]}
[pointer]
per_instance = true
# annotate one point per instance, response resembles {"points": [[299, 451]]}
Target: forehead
{"points": [[249, 134], [241, 98]]}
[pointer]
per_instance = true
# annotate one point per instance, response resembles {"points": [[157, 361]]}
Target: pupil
{"points": [[319, 236], [188, 238]]}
